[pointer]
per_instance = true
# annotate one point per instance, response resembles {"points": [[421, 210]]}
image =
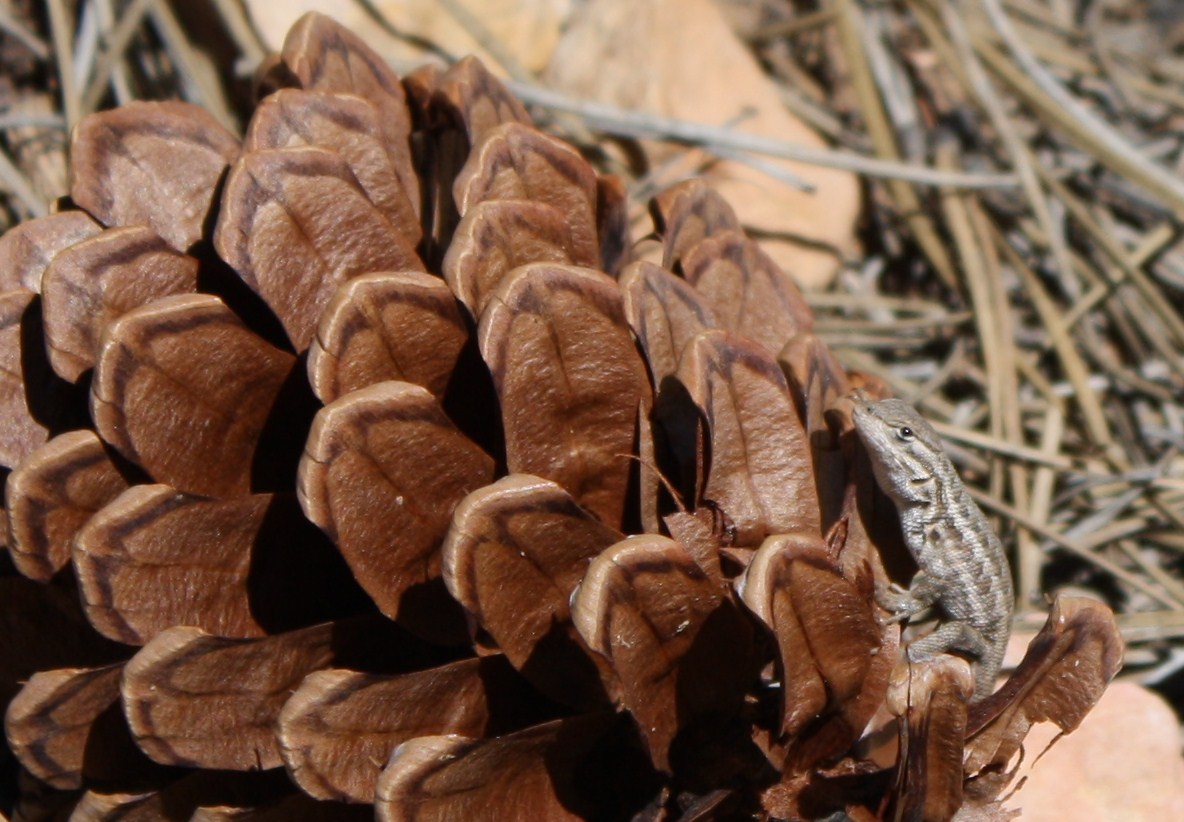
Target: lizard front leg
{"points": [[905, 603]]}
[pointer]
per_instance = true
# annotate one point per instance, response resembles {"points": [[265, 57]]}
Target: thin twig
{"points": [[191, 66], [618, 121], [1036, 456], [13, 28], [245, 36], [908, 203], [14, 181], [31, 120], [62, 30], [1052, 99], [117, 43], [1021, 158]]}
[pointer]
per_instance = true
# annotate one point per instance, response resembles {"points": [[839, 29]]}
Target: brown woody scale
{"points": [[326, 448]]}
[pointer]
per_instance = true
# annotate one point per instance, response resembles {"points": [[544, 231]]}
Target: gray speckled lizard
{"points": [[963, 569]]}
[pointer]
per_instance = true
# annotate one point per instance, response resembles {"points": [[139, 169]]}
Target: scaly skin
{"points": [[963, 569]]}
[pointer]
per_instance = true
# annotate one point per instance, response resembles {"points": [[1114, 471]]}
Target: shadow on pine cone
{"points": [[360, 463]]}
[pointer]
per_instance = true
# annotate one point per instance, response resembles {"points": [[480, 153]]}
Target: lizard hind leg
{"points": [[964, 639]]}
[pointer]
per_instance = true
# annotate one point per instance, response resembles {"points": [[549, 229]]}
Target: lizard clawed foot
{"points": [[899, 601]]}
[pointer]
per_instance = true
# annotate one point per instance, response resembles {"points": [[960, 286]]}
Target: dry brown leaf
{"points": [[761, 473], [181, 799], [649, 480], [94, 282], [702, 533], [686, 214], [518, 162], [469, 95], [825, 629], [350, 126], [665, 313], [847, 486], [31, 397], [319, 54], [650, 57], [612, 223], [749, 293], [362, 480], [401, 325], [67, 726], [183, 389], [497, 236], [339, 728], [202, 701], [514, 554], [28, 248], [818, 383], [931, 697], [155, 164], [554, 772], [295, 224], [1064, 672], [458, 108], [569, 379], [52, 494], [240, 567], [681, 649], [295, 807]]}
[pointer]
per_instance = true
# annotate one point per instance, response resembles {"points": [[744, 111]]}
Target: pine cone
{"points": [[363, 462]]}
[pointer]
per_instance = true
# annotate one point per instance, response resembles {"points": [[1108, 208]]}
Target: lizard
{"points": [[962, 568]]}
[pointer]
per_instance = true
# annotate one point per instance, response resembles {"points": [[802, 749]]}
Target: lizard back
{"points": [[962, 565]]}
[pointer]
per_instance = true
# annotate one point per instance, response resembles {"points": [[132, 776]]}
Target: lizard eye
{"points": [[905, 434]]}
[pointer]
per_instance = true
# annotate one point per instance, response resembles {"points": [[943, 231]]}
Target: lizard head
{"points": [[904, 449]]}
